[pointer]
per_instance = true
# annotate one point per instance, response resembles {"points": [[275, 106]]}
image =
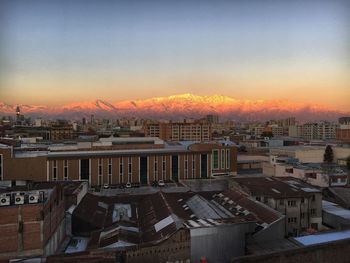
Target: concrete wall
{"points": [[219, 244], [273, 232]]}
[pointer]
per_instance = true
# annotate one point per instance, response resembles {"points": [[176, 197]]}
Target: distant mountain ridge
{"points": [[182, 106]]}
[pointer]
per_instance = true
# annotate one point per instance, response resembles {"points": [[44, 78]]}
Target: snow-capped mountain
{"points": [[183, 106]]}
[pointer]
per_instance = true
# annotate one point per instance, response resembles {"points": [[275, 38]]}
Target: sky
{"points": [[58, 52]]}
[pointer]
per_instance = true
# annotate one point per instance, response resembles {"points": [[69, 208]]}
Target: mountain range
{"points": [[181, 106]]}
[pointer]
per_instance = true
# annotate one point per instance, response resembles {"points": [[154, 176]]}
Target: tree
{"points": [[328, 155], [267, 134]]}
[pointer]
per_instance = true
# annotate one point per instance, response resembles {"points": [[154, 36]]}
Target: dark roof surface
{"points": [[278, 188]]}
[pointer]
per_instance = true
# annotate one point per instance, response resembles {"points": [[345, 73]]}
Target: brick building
{"points": [[119, 164], [31, 220]]}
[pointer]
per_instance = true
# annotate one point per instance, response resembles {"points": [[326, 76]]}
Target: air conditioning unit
{"points": [[19, 199], [33, 198], [4, 200]]}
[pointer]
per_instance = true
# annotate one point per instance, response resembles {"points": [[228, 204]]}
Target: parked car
{"points": [[154, 183], [128, 185], [161, 183], [105, 186]]}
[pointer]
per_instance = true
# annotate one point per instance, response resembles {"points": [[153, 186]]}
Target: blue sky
{"points": [[56, 52]]}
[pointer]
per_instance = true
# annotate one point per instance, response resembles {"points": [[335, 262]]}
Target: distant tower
{"points": [[92, 120], [18, 115], [18, 112]]}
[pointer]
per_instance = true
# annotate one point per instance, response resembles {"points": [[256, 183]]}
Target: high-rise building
{"points": [[212, 118]]}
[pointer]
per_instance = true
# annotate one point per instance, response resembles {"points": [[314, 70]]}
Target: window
{"points": [[302, 215], [110, 166], [65, 170], [193, 166], [222, 158], [281, 202], [313, 211], [100, 166], [109, 170], [1, 162], [129, 168], [155, 168], [292, 219], [311, 175], [215, 159], [292, 203], [228, 158], [121, 167], [313, 198], [100, 171], [302, 200], [163, 167], [186, 166], [289, 170], [54, 174]]}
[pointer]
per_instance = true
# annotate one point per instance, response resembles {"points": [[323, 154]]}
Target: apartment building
{"points": [[179, 131], [61, 131], [298, 201], [126, 160], [314, 131]]}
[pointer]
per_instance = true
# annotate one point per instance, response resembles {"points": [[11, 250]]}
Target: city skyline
{"points": [[60, 52]]}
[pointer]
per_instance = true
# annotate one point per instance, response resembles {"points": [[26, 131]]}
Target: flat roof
{"points": [[335, 209], [323, 238]]}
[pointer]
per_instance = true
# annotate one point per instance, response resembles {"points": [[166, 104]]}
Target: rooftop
{"points": [[275, 187], [335, 209], [118, 218], [323, 237]]}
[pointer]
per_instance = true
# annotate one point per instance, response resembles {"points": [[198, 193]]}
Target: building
{"points": [[298, 201], [316, 174], [343, 133], [31, 220], [310, 154], [314, 130], [213, 118], [61, 131], [172, 227], [123, 160], [179, 131], [344, 120]]}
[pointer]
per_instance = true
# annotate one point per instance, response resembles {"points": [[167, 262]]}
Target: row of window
{"points": [[121, 169], [225, 159], [302, 216]]}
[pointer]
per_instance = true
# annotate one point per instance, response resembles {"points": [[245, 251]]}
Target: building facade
{"points": [[107, 165], [179, 131], [298, 201]]}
